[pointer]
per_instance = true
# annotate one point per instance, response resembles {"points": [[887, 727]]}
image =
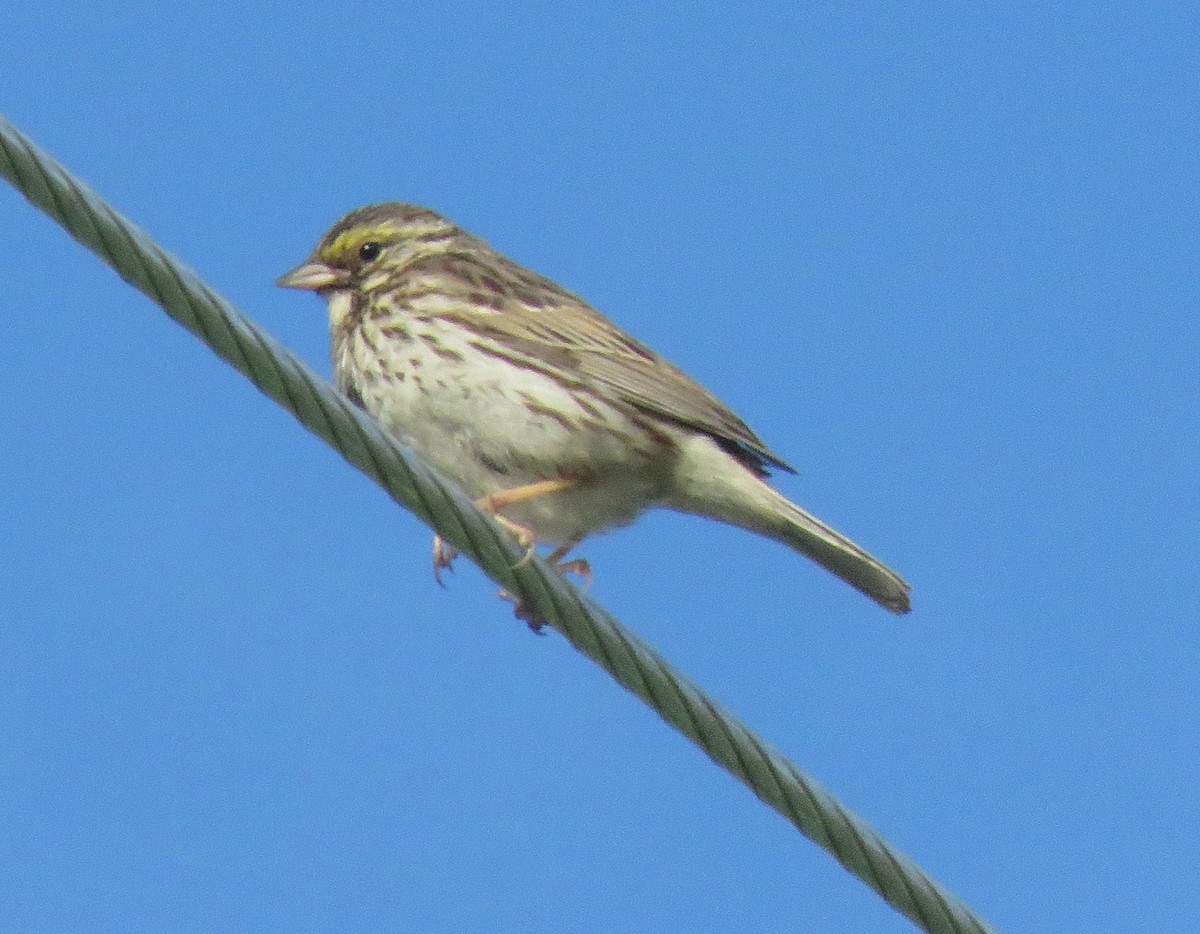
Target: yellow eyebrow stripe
{"points": [[347, 243]]}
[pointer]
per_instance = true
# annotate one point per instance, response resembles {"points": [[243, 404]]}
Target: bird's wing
{"points": [[546, 324]]}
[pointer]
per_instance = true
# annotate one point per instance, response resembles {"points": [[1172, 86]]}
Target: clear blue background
{"points": [[942, 258]]}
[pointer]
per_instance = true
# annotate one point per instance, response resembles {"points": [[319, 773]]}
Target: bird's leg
{"points": [[578, 566], [494, 502], [445, 553]]}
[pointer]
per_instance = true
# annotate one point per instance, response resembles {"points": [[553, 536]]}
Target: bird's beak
{"points": [[313, 276]]}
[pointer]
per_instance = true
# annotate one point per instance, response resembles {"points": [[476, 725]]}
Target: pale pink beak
{"points": [[313, 276]]}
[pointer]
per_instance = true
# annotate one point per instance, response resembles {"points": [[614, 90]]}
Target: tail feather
{"points": [[833, 551], [708, 482]]}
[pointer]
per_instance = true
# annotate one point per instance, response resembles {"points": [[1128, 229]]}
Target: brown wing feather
{"points": [[540, 319]]}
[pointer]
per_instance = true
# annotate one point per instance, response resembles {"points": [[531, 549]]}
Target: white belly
{"points": [[493, 427]]}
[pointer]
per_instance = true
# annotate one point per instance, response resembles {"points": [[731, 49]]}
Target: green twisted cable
{"points": [[439, 503]]}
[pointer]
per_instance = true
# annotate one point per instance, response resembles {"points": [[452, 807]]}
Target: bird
{"points": [[558, 423]]}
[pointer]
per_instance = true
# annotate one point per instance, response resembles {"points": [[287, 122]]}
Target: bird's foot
{"points": [[443, 558], [535, 622], [524, 536], [444, 553], [578, 566]]}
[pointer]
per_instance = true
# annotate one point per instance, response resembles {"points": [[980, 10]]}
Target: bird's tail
{"points": [[709, 484], [833, 551]]}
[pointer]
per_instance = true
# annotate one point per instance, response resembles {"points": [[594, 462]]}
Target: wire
{"points": [[442, 505]]}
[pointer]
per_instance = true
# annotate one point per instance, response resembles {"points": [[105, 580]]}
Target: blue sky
{"points": [[942, 259]]}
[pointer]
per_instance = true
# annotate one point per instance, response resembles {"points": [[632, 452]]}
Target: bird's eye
{"points": [[369, 251]]}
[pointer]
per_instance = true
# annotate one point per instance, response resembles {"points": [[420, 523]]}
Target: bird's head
{"points": [[367, 248]]}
